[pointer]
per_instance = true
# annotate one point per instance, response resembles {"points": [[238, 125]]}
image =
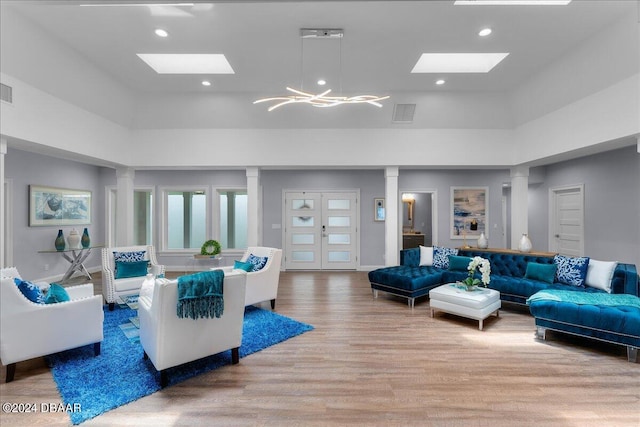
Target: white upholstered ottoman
{"points": [[478, 304]]}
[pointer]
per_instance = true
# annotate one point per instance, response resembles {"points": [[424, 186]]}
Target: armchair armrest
{"points": [[80, 291]]}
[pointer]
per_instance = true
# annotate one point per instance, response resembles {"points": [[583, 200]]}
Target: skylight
{"points": [[457, 62], [511, 2], [187, 63]]}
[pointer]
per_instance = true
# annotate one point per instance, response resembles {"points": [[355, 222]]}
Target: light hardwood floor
{"points": [[376, 362]]}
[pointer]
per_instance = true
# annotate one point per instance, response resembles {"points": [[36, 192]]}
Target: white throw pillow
{"points": [[426, 256], [600, 273]]}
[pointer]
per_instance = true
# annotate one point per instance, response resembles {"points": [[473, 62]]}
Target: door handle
{"points": [[557, 236], [324, 234]]}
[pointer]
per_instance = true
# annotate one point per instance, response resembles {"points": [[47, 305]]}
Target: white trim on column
{"points": [[519, 203], [3, 224], [254, 237], [124, 206], [391, 251]]}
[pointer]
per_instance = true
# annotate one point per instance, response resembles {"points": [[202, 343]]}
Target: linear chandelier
{"points": [[321, 100]]}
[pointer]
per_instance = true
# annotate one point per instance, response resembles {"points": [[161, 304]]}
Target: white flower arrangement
{"points": [[485, 270]]}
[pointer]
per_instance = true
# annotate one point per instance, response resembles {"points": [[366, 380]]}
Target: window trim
{"points": [[112, 190], [163, 220], [216, 215]]}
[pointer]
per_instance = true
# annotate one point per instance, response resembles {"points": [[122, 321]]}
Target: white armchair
{"points": [[262, 285], [170, 341], [29, 330], [113, 288]]}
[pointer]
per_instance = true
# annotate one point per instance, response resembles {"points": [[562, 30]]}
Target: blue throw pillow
{"points": [[571, 270], [246, 266], [258, 262], [542, 272], [56, 293], [29, 290], [126, 269], [127, 257], [459, 263], [441, 256]]}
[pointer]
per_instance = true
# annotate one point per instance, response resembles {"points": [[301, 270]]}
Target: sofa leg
{"points": [[411, 302], [541, 333], [96, 349], [375, 293], [273, 304], [11, 372], [632, 354], [235, 356], [112, 305]]}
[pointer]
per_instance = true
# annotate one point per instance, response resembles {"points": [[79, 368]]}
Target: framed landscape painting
{"points": [[58, 206], [469, 211]]}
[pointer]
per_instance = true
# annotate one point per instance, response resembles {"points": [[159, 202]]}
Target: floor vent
{"points": [[6, 93], [403, 113]]}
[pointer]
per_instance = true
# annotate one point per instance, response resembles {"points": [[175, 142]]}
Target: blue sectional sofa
{"points": [[410, 280], [579, 310]]}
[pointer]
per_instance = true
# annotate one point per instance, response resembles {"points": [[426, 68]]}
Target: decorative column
{"points": [[391, 226], [3, 152], [124, 209], [253, 207], [519, 204]]}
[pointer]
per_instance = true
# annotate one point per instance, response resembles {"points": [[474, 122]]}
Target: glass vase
{"points": [[85, 240], [59, 243]]}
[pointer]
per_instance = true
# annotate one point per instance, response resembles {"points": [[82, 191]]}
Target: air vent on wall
{"points": [[403, 113], [6, 93]]}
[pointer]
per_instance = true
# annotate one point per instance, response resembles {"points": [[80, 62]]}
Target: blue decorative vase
{"points": [[85, 240], [59, 243]]}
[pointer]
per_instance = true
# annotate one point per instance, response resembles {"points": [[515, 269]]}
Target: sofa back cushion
{"points": [[508, 264]]}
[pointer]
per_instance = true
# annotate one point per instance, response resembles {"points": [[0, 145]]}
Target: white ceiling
{"points": [[382, 41]]}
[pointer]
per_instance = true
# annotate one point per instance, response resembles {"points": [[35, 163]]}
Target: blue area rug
{"points": [[120, 374]]}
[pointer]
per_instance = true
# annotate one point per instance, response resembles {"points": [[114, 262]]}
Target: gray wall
{"points": [[611, 181], [612, 203], [441, 181], [26, 168], [370, 183]]}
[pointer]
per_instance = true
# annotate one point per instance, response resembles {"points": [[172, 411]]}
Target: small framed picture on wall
{"points": [[379, 213]]}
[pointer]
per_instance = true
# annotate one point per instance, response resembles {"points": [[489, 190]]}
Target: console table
{"points": [[76, 258]]}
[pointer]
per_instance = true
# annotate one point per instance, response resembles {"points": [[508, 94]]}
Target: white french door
{"points": [[567, 220], [321, 230]]}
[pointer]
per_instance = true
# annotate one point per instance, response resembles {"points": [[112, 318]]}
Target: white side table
{"points": [[478, 304]]}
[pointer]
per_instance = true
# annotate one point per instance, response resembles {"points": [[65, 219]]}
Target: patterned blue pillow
{"points": [[132, 256], [29, 290], [571, 270], [258, 262], [441, 256], [129, 256]]}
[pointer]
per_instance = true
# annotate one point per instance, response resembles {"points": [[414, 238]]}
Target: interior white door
{"points": [[303, 231], [339, 230], [321, 230], [567, 221]]}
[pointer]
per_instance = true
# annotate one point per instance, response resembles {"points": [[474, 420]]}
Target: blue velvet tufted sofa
{"points": [[583, 311], [508, 269]]}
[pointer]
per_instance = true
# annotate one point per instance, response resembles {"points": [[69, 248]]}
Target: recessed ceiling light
{"points": [[161, 33], [187, 63], [206, 83], [485, 32], [322, 82], [440, 82], [512, 2], [457, 62]]}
